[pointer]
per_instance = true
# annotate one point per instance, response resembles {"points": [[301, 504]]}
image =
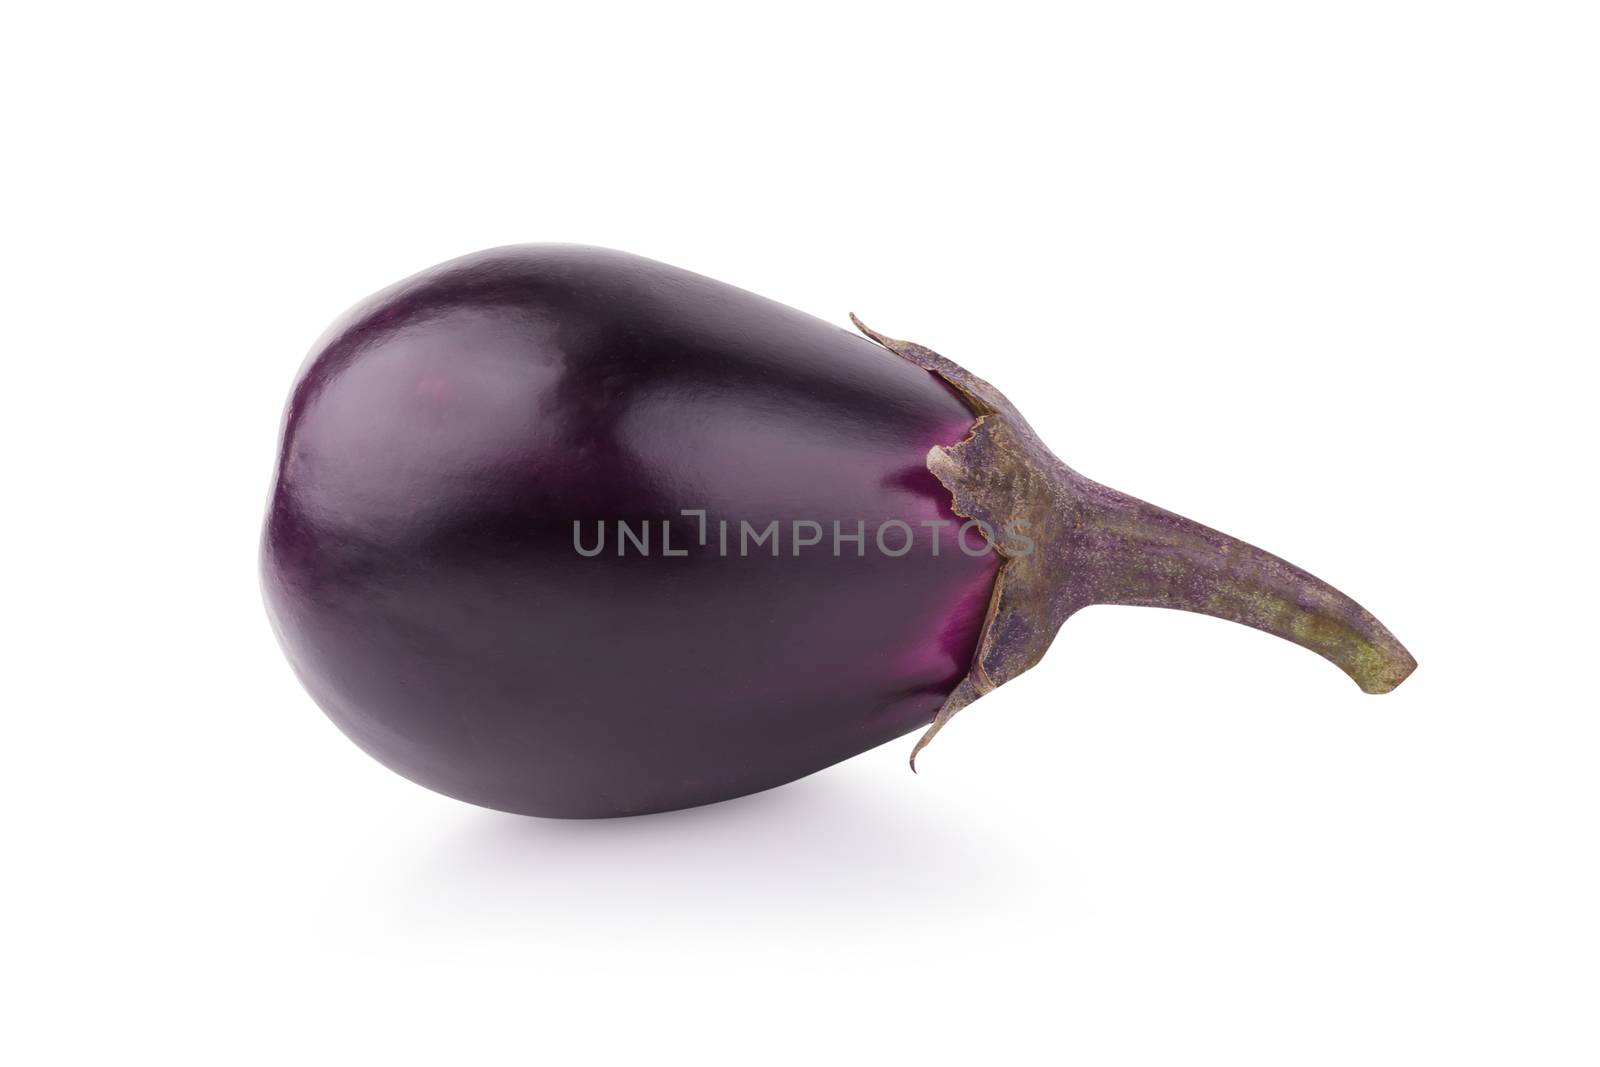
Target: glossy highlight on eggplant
{"points": [[454, 447]]}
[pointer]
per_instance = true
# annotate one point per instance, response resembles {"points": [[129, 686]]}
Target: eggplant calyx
{"points": [[1068, 542]]}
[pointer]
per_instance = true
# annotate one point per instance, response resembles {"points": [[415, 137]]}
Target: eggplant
{"points": [[566, 532]]}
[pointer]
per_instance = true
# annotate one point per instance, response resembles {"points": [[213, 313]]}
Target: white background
{"points": [[1323, 276]]}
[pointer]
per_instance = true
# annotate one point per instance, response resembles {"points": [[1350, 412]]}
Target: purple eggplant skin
{"points": [[419, 564]]}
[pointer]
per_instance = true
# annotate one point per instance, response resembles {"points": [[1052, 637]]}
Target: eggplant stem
{"points": [[1089, 544], [1125, 551]]}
